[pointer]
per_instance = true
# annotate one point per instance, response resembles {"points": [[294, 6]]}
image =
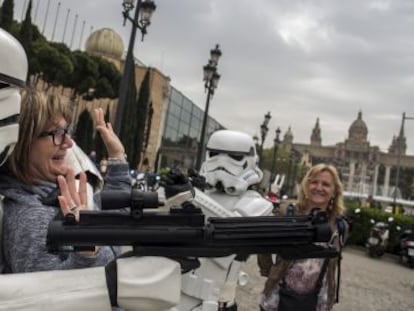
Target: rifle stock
{"points": [[184, 232]]}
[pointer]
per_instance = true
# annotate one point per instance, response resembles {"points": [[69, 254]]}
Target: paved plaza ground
{"points": [[366, 284]]}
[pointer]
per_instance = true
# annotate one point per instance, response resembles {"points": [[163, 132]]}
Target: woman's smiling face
{"points": [[47, 160], [321, 189]]}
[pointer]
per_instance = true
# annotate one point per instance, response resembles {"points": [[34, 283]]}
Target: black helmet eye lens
{"points": [[13, 119], [237, 157], [10, 81], [4, 85]]}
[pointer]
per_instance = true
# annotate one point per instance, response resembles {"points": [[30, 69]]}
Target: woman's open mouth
{"points": [[59, 157]]}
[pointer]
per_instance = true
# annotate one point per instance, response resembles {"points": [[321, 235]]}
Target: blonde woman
{"points": [[311, 283]]}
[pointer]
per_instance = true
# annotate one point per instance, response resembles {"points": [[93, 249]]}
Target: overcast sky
{"points": [[300, 60]]}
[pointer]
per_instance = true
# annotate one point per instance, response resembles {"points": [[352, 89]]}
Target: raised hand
{"points": [[113, 145], [72, 200]]}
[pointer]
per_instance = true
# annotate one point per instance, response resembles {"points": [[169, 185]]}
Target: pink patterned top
{"points": [[301, 277]]}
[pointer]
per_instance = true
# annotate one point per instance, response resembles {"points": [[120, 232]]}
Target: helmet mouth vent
{"points": [[219, 186]]}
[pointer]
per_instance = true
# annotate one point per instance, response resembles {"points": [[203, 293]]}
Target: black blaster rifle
{"points": [[185, 232]]}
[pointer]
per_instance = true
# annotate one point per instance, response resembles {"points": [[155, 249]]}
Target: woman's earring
{"points": [[331, 202]]}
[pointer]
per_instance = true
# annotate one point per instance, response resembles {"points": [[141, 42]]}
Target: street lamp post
{"points": [[276, 142], [289, 175], [263, 133], [88, 96], [211, 78], [397, 177], [141, 20], [292, 173], [295, 175], [256, 142]]}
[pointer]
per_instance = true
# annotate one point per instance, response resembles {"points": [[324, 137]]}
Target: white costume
{"points": [[230, 168], [145, 283]]}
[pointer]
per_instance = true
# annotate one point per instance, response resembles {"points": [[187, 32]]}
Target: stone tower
{"points": [[399, 143], [316, 139], [288, 139]]}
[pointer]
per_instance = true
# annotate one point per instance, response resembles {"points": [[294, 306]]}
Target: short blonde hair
{"points": [[337, 207], [37, 110]]}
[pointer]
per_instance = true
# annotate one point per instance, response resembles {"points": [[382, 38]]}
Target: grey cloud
{"points": [[341, 57]]}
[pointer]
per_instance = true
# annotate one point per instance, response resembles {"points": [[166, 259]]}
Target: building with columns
{"points": [[365, 169]]}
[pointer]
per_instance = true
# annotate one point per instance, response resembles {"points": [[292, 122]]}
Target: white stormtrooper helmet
{"points": [[13, 73], [231, 162]]}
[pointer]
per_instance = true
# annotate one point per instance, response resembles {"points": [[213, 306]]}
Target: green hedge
{"points": [[362, 225]]}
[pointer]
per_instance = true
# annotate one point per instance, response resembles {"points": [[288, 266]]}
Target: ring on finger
{"points": [[73, 208]]}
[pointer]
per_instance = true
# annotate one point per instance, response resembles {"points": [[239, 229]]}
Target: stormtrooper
{"points": [[145, 283], [230, 169]]}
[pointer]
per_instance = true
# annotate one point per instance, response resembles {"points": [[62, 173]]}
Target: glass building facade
{"points": [[182, 130]]}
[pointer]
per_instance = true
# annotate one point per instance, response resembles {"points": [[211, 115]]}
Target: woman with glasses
{"points": [[34, 173]]}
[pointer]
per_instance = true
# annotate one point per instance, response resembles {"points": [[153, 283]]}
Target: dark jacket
{"points": [[26, 220]]}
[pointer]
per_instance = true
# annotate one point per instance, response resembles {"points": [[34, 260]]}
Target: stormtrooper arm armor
{"points": [[210, 207], [249, 204], [143, 283]]}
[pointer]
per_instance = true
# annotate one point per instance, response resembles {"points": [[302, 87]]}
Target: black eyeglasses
{"points": [[58, 135]]}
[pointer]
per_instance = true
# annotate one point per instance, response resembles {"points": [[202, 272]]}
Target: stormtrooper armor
{"points": [[13, 73], [145, 283], [230, 168], [231, 162]]}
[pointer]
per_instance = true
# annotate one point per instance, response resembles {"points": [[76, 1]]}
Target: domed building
{"points": [[101, 43], [358, 131], [105, 42], [361, 165]]}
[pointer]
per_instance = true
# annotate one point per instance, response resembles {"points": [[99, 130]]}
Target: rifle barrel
{"points": [[291, 236]]}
